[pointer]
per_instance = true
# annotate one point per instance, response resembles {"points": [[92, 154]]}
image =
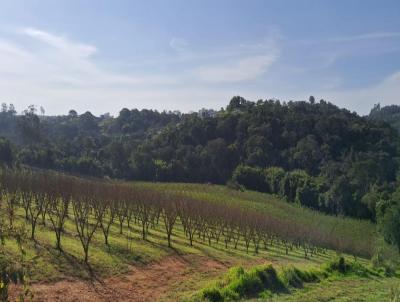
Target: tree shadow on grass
{"points": [[66, 263]]}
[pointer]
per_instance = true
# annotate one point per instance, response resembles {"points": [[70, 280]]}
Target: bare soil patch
{"points": [[142, 283]]}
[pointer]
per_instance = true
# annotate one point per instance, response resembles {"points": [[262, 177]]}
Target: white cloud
{"points": [[60, 74], [244, 69], [38, 67], [62, 44], [245, 63]]}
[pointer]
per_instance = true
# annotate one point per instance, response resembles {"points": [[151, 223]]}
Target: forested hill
{"points": [[389, 114], [312, 153]]}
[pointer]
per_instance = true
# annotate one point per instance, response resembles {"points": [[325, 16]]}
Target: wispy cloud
{"points": [[351, 38], [58, 67], [61, 43], [365, 36], [326, 52], [244, 69], [60, 73], [245, 63]]}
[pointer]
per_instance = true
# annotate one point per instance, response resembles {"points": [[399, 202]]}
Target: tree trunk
{"points": [[33, 231], [86, 250], [58, 238]]}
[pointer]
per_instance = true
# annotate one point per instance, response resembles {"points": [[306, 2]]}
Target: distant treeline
{"points": [[310, 152], [389, 114]]}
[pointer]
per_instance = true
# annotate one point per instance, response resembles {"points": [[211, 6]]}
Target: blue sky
{"points": [[105, 55]]}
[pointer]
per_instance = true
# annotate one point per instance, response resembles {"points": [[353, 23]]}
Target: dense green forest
{"points": [[311, 153], [389, 114]]}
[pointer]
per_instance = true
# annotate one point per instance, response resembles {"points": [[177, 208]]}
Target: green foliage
{"points": [[338, 265], [233, 274], [29, 126], [341, 266], [239, 283], [13, 270], [389, 114], [246, 285], [268, 277], [6, 153], [294, 277], [296, 186], [250, 178], [273, 178], [389, 221], [212, 294], [385, 262]]}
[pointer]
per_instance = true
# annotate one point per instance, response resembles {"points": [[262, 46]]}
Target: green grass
{"points": [[349, 289]]}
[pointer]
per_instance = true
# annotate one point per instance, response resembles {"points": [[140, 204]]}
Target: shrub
{"points": [[269, 278], [234, 185], [295, 277], [337, 265], [291, 277], [234, 273], [238, 283], [389, 269], [249, 177], [266, 294], [212, 294], [381, 264], [247, 285], [229, 295], [377, 259]]}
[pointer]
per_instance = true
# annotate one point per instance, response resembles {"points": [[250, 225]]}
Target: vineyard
{"points": [[101, 227]]}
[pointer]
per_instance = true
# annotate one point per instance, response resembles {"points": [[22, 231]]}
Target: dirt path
{"points": [[141, 284]]}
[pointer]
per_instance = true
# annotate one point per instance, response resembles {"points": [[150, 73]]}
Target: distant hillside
{"points": [[327, 158], [389, 114], [311, 153]]}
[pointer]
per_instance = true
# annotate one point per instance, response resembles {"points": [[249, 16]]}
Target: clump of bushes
{"points": [[264, 281], [238, 283], [341, 266], [384, 264], [389, 269], [212, 294], [294, 277], [338, 265]]}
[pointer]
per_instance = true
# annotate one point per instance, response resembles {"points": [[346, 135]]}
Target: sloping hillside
{"points": [[128, 263]]}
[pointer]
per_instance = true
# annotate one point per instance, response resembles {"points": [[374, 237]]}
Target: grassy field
{"points": [[346, 290], [127, 251]]}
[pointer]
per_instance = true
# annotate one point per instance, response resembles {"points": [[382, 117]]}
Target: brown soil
{"points": [[142, 283]]}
